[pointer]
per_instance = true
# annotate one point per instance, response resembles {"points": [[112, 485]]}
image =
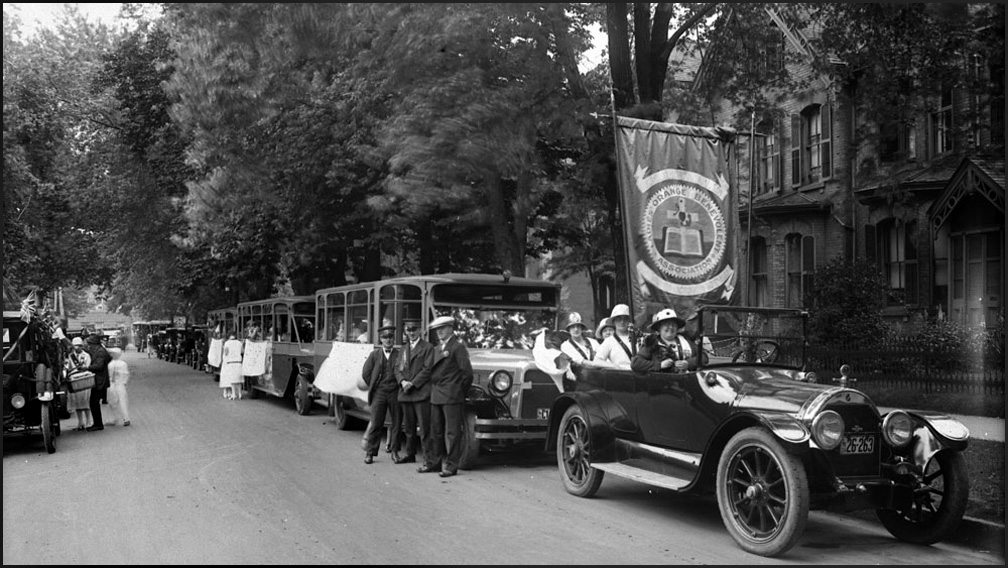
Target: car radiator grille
{"points": [[859, 420], [541, 395]]}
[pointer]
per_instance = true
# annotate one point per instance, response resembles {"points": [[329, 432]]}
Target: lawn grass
{"points": [[985, 462]]}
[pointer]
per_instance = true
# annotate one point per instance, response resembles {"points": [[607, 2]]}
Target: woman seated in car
{"points": [[667, 349]]}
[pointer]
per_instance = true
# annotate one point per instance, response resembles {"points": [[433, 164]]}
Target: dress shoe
{"points": [[447, 473], [426, 469], [95, 428], [368, 458], [388, 449], [407, 459]]}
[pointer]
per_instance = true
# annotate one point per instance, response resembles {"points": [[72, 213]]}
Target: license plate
{"points": [[542, 413], [858, 444]]}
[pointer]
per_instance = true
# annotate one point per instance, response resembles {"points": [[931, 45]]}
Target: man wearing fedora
{"points": [[414, 375], [666, 349], [451, 377], [383, 389]]}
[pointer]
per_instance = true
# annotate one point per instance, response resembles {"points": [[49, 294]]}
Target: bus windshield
{"points": [[498, 329]]}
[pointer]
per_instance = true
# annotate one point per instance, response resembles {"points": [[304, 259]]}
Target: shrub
{"points": [[847, 302]]}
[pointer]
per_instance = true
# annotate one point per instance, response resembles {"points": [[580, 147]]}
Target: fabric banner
{"points": [[254, 358], [679, 213], [342, 371], [215, 353]]}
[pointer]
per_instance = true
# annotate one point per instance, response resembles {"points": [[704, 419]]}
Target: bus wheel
{"points": [[302, 397], [342, 420], [470, 445]]}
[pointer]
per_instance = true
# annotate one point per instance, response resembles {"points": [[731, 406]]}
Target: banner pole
{"points": [[621, 207], [752, 160]]}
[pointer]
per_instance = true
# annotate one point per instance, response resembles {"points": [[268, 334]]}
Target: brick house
{"points": [[929, 212]]}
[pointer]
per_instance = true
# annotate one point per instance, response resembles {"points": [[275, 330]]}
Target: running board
{"points": [[643, 475]]}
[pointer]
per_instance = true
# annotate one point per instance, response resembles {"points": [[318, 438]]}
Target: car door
{"points": [[661, 405]]}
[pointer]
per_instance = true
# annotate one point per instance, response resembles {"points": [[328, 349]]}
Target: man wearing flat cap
{"points": [[414, 375], [451, 377], [383, 389]]}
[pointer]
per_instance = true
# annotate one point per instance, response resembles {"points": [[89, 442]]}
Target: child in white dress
{"points": [[118, 400]]}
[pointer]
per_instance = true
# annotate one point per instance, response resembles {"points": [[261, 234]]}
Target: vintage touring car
{"points": [[752, 426]]}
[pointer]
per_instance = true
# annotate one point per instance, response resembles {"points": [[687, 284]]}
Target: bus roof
{"points": [[450, 278]]}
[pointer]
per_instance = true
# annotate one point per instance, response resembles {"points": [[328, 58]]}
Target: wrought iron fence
{"points": [[899, 365]]}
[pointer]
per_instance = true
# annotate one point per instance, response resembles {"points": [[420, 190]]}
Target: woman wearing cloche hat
{"points": [[617, 350], [580, 348], [666, 349]]}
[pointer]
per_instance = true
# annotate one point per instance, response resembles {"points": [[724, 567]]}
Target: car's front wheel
{"points": [[574, 454], [48, 431], [939, 502], [762, 492]]}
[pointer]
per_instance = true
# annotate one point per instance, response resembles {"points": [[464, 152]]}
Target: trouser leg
{"points": [[408, 412], [453, 415], [437, 434], [379, 407], [95, 402]]}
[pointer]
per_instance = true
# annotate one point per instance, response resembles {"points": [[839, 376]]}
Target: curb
{"points": [[980, 534]]}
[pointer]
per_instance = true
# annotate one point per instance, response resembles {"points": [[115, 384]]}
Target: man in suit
{"points": [[451, 377], [414, 375], [383, 389]]}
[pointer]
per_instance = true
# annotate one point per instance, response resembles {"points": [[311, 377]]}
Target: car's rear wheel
{"points": [[574, 454], [470, 444], [48, 434], [762, 492], [939, 502]]}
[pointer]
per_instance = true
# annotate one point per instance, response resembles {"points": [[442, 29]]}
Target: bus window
{"points": [[335, 310], [281, 323], [304, 329], [398, 302], [358, 316]]}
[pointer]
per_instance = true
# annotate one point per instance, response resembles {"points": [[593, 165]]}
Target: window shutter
{"points": [[796, 144], [870, 244], [826, 147]]}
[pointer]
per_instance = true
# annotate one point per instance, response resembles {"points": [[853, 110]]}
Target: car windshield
{"points": [[498, 329], [754, 336]]}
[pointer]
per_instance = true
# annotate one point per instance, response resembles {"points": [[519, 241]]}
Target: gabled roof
{"points": [[924, 182], [977, 174]]}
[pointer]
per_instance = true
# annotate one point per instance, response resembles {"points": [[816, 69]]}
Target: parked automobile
{"points": [[759, 432], [32, 365]]}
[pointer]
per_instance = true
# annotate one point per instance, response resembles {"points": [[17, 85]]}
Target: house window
{"points": [[997, 104], [758, 296], [811, 143], [768, 170], [897, 142], [941, 125], [897, 254], [800, 269]]}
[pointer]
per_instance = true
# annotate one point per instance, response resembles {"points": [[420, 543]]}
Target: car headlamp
{"points": [[897, 428], [828, 429], [17, 400], [500, 383]]}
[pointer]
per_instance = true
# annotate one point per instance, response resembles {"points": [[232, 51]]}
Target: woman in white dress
{"points": [[231, 378], [580, 348], [79, 402], [618, 350]]}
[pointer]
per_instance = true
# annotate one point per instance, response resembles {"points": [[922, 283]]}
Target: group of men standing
{"points": [[423, 386]]}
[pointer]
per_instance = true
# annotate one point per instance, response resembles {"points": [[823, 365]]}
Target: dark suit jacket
{"points": [[452, 374], [652, 353], [373, 368], [99, 362], [415, 366]]}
